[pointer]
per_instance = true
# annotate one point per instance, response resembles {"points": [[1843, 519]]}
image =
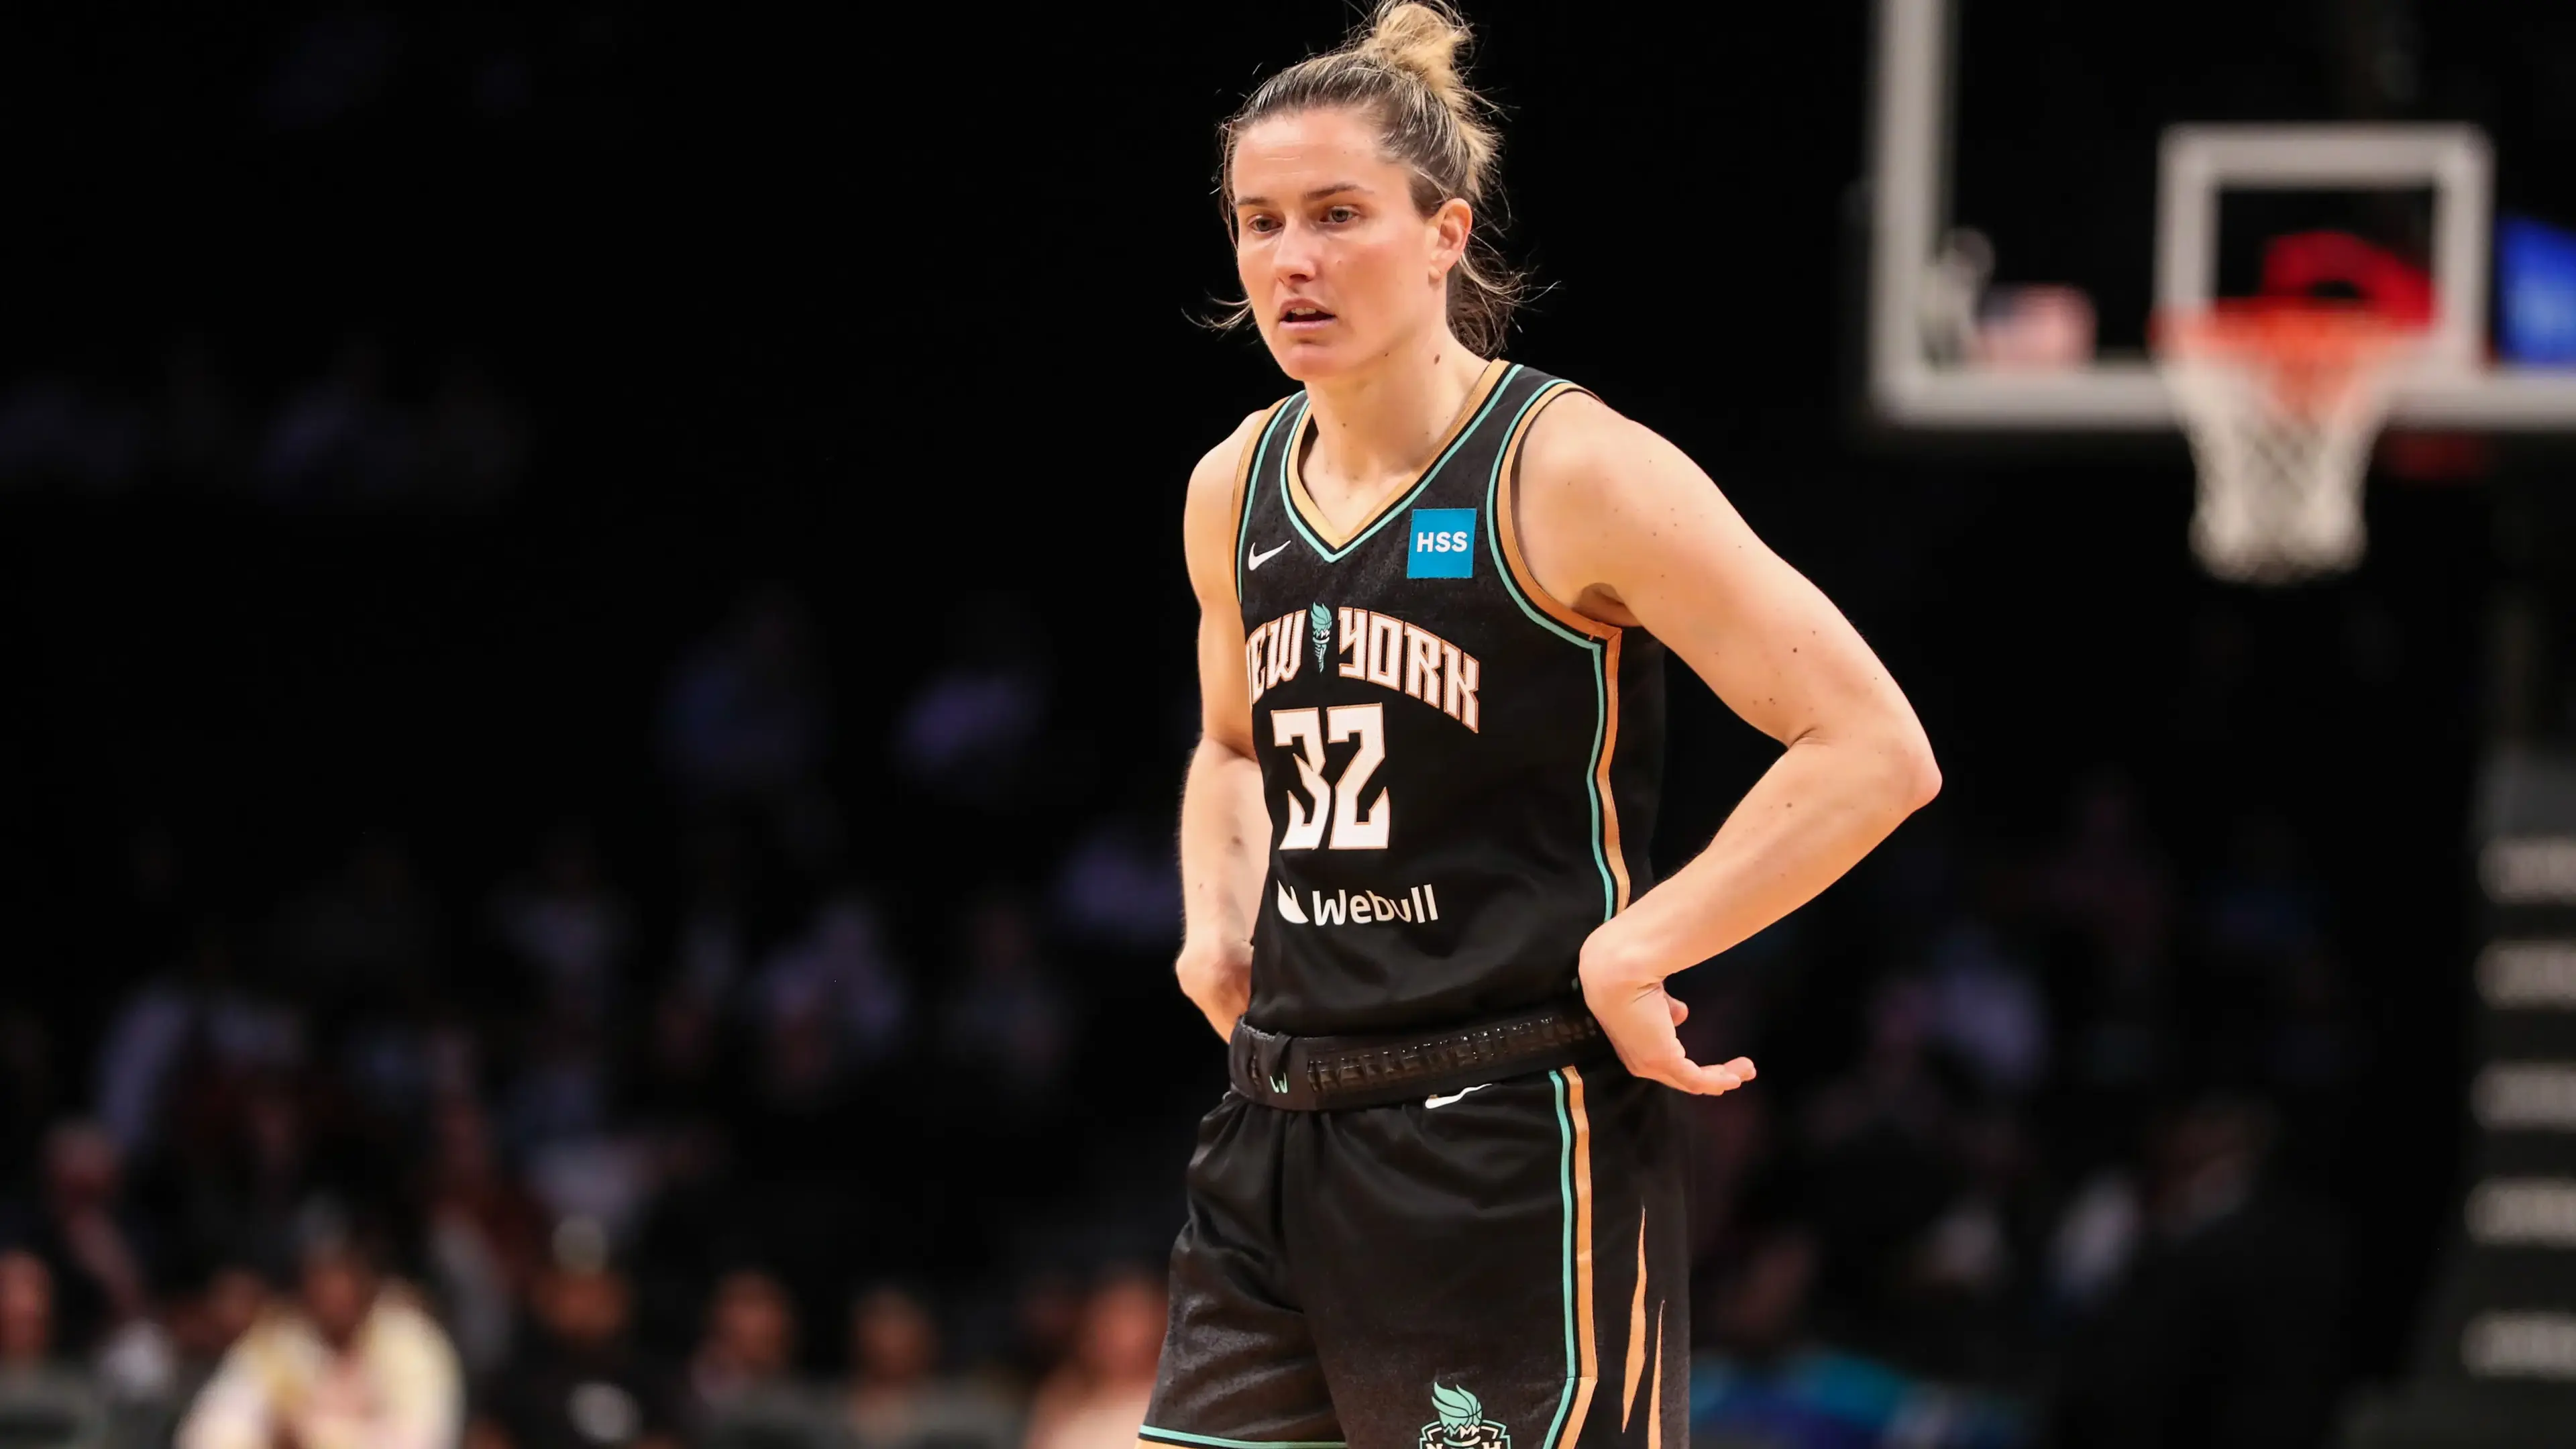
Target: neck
{"points": [[1384, 422]]}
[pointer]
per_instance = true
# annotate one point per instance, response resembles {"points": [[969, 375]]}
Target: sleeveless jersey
{"points": [[1461, 771]]}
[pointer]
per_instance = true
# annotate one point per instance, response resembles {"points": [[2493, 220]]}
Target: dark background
{"points": [[899, 318]]}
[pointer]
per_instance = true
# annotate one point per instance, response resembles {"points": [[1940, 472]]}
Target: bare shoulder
{"points": [[1220, 469], [1207, 518], [1581, 445]]}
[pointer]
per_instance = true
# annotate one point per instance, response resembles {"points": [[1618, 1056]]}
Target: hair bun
{"points": [[1422, 40]]}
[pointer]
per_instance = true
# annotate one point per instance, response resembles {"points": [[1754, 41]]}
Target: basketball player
{"points": [[1442, 1204]]}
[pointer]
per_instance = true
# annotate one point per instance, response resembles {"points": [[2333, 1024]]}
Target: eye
{"points": [[1259, 224], [1340, 214]]}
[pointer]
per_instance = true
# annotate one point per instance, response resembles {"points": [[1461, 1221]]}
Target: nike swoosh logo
{"points": [[1255, 560], [1454, 1096]]}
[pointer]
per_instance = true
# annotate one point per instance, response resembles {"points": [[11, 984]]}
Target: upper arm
{"points": [[1611, 512], [1208, 524]]}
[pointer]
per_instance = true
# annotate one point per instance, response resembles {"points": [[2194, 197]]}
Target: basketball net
{"points": [[2281, 398]]}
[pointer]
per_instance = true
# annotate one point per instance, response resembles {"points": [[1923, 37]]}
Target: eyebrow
{"points": [[1318, 194]]}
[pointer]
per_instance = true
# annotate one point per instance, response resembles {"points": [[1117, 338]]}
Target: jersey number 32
{"points": [[1334, 802]]}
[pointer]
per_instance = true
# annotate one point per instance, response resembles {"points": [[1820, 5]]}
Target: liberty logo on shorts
{"points": [[1444, 544], [1462, 1423]]}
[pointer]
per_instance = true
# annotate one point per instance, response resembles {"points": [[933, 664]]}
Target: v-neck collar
{"points": [[1310, 521]]}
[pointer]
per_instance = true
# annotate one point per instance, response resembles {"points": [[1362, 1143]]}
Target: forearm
{"points": [[1225, 842], [1821, 806], [1225, 839]]}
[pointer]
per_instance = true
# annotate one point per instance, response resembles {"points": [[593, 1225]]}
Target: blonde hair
{"points": [[1402, 73]]}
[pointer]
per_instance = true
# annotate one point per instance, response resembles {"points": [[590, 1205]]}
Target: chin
{"points": [[1312, 361]]}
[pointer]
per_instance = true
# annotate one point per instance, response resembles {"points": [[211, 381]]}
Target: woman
{"points": [[1442, 1203]]}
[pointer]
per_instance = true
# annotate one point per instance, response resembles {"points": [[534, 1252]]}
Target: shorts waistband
{"points": [[1334, 1073]]}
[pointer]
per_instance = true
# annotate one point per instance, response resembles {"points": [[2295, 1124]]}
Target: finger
{"points": [[1703, 1081], [1681, 1009]]}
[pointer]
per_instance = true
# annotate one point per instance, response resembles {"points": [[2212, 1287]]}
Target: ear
{"points": [[1450, 227]]}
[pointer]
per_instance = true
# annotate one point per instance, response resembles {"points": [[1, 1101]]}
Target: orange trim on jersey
{"points": [[1655, 1395], [1507, 520], [1610, 847], [1636, 1331], [1589, 1371], [1305, 501], [1243, 491]]}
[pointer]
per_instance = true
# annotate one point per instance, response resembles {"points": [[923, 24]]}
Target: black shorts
{"points": [[1507, 1269]]}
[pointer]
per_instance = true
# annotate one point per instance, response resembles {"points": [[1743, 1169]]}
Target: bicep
{"points": [[1659, 534], [1225, 690], [1208, 533]]}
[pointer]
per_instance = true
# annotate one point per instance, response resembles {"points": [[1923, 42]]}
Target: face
{"points": [[1340, 268], [338, 1292], [586, 1309]]}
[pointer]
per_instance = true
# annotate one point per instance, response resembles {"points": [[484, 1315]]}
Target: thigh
{"points": [[1507, 1268], [1239, 1366]]}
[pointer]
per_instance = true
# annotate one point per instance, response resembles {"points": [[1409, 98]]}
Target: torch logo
{"points": [[1462, 1423]]}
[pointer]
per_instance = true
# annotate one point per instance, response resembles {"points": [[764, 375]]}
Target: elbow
{"points": [[1917, 774]]}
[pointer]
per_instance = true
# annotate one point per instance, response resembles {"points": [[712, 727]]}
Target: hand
{"points": [[1640, 1018], [1217, 978]]}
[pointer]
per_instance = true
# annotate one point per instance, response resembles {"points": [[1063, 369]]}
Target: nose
{"points": [[1294, 257]]}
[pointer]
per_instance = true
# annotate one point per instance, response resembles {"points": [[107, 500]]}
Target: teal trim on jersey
{"points": [[1297, 521], [1600, 656], [1565, 1190], [1175, 1436], [1252, 490]]}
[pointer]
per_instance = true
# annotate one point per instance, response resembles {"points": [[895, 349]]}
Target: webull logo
{"points": [[1418, 905]]}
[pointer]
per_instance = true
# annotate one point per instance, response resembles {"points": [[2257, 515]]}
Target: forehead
{"points": [[1283, 156]]}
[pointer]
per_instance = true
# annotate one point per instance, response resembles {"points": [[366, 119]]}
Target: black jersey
{"points": [[1461, 771]]}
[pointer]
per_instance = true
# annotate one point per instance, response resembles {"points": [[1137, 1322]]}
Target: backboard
{"points": [[2017, 257]]}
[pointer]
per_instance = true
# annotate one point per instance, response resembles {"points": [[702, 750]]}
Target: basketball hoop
{"points": [[2281, 398]]}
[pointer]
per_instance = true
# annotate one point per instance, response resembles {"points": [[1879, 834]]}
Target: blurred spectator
{"points": [[91, 1241], [2224, 1330], [339, 440], [1986, 1008], [1768, 1383], [241, 1160], [200, 1014], [2109, 882], [1007, 1020], [205, 1323], [1879, 1140], [1097, 1399], [2261, 906], [584, 1383], [355, 1364], [568, 926], [744, 727], [742, 1379], [830, 1001], [44, 1403], [894, 1399], [1046, 1315], [486, 1235], [1120, 885], [966, 731]]}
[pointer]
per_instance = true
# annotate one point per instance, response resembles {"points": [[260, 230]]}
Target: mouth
{"points": [[1303, 315]]}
